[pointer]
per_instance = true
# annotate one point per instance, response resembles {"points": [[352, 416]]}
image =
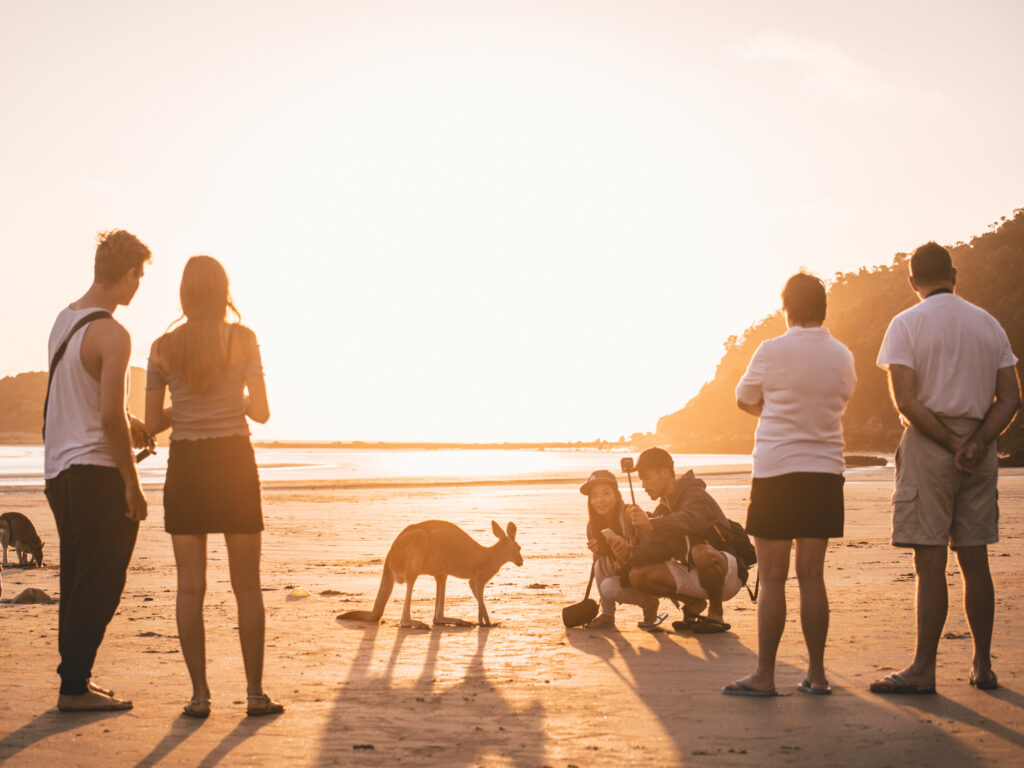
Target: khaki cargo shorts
{"points": [[688, 582], [934, 504]]}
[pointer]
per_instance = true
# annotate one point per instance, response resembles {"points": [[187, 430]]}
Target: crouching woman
{"points": [[606, 510]]}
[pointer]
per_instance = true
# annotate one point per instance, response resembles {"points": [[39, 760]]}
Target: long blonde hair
{"points": [[194, 350]]}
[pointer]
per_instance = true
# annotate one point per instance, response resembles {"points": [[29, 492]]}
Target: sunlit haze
{"points": [[488, 221]]}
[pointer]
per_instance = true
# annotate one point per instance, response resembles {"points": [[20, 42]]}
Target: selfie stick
{"points": [[626, 463], [627, 466]]}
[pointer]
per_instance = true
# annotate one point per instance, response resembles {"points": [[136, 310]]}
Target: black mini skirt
{"points": [[212, 486], [798, 505]]}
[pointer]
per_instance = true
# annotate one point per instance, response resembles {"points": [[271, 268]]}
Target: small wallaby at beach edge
{"points": [[441, 549], [17, 531]]}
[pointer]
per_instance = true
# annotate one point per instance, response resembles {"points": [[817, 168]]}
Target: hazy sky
{"points": [[492, 221]]}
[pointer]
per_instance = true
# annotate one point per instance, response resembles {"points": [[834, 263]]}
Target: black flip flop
{"points": [[984, 685], [702, 625], [896, 685], [689, 619]]}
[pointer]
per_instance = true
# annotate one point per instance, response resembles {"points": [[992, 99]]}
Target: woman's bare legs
{"points": [[190, 556], [244, 563], [810, 571], [773, 568]]}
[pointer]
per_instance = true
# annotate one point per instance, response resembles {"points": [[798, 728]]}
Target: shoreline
{"points": [[399, 483], [733, 473], [719, 472]]}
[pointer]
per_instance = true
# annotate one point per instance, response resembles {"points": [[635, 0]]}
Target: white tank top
{"points": [[74, 433]]}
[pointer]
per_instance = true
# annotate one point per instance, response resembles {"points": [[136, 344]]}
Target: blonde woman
{"points": [[213, 371]]}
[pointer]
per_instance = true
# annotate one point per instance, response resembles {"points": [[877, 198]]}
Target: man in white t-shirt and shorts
{"points": [[953, 380]]}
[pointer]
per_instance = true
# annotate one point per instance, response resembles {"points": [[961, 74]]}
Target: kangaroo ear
{"points": [[512, 531], [497, 530]]}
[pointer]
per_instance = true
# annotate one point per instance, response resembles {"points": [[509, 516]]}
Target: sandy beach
{"points": [[527, 692]]}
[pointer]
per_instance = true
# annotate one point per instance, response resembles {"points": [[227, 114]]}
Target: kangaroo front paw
{"points": [[413, 624], [446, 621]]}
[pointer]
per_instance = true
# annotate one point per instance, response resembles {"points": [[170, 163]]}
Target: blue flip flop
{"points": [[806, 687], [742, 689]]}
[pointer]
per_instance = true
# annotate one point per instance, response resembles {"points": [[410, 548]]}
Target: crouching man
{"points": [[673, 555]]}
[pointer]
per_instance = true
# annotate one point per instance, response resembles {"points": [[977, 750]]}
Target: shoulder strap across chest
{"points": [[59, 354]]}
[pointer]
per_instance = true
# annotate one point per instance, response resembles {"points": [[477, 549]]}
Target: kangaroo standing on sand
{"points": [[440, 549], [17, 531]]}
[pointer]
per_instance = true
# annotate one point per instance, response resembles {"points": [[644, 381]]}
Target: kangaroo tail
{"points": [[387, 584]]}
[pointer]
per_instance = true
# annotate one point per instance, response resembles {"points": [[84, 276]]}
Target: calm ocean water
{"points": [[23, 465]]}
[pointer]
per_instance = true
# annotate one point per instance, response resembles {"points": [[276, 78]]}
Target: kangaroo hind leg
{"points": [[439, 617], [407, 611]]}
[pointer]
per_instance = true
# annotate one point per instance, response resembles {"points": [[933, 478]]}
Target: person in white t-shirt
{"points": [[953, 380], [797, 385]]}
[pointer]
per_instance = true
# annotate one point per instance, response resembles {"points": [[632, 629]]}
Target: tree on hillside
{"points": [[990, 273], [21, 417]]}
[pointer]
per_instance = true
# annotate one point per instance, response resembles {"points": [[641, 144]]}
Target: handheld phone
{"points": [[146, 452]]}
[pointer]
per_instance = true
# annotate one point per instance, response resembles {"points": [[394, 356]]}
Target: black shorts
{"points": [[798, 505], [212, 486]]}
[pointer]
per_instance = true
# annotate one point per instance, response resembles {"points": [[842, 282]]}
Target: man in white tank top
{"points": [[954, 382], [92, 483]]}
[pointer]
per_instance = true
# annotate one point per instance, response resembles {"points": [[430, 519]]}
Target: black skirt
{"points": [[798, 505], [212, 486]]}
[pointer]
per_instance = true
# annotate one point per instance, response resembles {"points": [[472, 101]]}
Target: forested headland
{"points": [[860, 305], [990, 273]]}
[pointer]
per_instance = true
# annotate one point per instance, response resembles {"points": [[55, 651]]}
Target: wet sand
{"points": [[527, 692]]}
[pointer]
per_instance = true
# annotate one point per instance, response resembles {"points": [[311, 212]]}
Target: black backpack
{"points": [[729, 536]]}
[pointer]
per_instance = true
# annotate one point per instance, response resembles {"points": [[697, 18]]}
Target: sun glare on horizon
{"points": [[469, 223]]}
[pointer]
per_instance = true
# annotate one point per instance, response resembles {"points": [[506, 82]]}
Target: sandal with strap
{"points": [[984, 685], [261, 704], [199, 708], [97, 688], [649, 625]]}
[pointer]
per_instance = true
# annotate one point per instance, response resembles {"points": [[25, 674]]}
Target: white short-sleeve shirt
{"points": [[955, 350], [805, 378]]}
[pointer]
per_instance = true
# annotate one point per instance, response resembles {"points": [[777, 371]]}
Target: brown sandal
{"points": [[261, 704], [96, 688], [199, 708]]}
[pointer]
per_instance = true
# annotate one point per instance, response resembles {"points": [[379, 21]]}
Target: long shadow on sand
{"points": [[180, 730], [942, 707], [744, 730], [49, 723], [184, 727], [245, 729], [397, 708]]}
